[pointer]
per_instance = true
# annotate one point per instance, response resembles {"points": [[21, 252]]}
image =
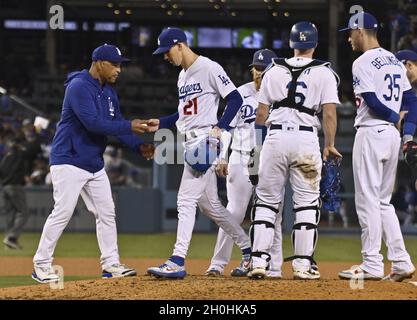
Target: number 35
{"points": [[392, 79]]}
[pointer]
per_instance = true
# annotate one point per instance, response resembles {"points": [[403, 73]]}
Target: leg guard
{"points": [[304, 236], [262, 232]]}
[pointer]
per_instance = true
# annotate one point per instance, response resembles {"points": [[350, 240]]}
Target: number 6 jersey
{"points": [[199, 91], [315, 86], [378, 70]]}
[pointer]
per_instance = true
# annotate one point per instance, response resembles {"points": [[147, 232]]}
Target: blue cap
{"points": [[361, 20], [262, 58], [168, 38], [108, 52], [406, 55]]}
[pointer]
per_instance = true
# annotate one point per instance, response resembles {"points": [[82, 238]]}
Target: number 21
{"points": [[188, 108]]}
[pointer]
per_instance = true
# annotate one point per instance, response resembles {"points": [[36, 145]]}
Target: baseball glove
{"points": [[201, 156], [147, 150], [330, 184], [410, 155]]}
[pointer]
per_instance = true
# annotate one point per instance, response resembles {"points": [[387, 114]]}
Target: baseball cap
{"points": [[108, 52], [406, 55], [168, 38], [361, 20], [263, 58]]}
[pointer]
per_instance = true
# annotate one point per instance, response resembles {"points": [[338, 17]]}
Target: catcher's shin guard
{"points": [[262, 231], [304, 235]]}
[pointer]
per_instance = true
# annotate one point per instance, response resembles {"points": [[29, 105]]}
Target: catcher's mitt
{"points": [[410, 155], [330, 184]]}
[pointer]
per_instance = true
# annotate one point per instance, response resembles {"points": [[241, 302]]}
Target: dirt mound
{"points": [[198, 287], [203, 288]]}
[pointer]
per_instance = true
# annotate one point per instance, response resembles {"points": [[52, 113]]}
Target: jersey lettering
{"points": [[189, 89], [247, 111]]}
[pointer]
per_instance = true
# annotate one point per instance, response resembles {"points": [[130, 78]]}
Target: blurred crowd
{"points": [[33, 144]]}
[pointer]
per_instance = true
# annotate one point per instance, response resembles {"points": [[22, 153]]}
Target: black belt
{"points": [[301, 128], [381, 124]]}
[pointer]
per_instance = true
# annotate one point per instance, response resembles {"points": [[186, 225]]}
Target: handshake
{"points": [[143, 126]]}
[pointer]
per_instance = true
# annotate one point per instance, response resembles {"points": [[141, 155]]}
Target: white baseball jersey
{"points": [[379, 71], [199, 91], [315, 86], [244, 122]]}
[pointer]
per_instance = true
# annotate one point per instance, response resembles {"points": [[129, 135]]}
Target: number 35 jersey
{"points": [[199, 91], [315, 86], [377, 70]]}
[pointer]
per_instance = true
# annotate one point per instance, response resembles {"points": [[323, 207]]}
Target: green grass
{"points": [[14, 281], [329, 248]]}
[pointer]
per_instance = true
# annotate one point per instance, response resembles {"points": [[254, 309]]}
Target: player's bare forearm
{"points": [[262, 114], [329, 129], [329, 123]]}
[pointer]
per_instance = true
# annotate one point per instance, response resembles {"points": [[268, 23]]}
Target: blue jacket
{"points": [[89, 114]]}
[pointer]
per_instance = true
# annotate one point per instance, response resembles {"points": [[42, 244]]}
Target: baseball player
{"points": [[238, 183], [90, 112], [381, 88], [200, 85], [409, 59], [298, 89]]}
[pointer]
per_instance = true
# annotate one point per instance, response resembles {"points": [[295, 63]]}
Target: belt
{"points": [[375, 125], [301, 128], [243, 152]]}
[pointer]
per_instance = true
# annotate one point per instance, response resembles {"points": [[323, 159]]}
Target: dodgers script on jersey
{"points": [[378, 71], [198, 90], [315, 86], [244, 122]]}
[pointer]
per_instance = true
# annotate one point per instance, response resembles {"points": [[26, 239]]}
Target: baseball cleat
{"points": [[311, 274], [356, 272], [242, 270], [272, 274], [257, 273], [168, 270], [118, 270], [399, 276], [44, 274], [212, 272], [11, 243]]}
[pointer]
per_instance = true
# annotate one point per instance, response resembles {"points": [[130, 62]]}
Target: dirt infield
{"points": [[195, 286]]}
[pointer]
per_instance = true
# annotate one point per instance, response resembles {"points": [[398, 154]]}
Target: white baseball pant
{"points": [[293, 153], [201, 189], [375, 158], [68, 183], [239, 193]]}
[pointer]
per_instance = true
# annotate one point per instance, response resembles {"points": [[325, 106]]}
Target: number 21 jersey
{"points": [[379, 71], [199, 91]]}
